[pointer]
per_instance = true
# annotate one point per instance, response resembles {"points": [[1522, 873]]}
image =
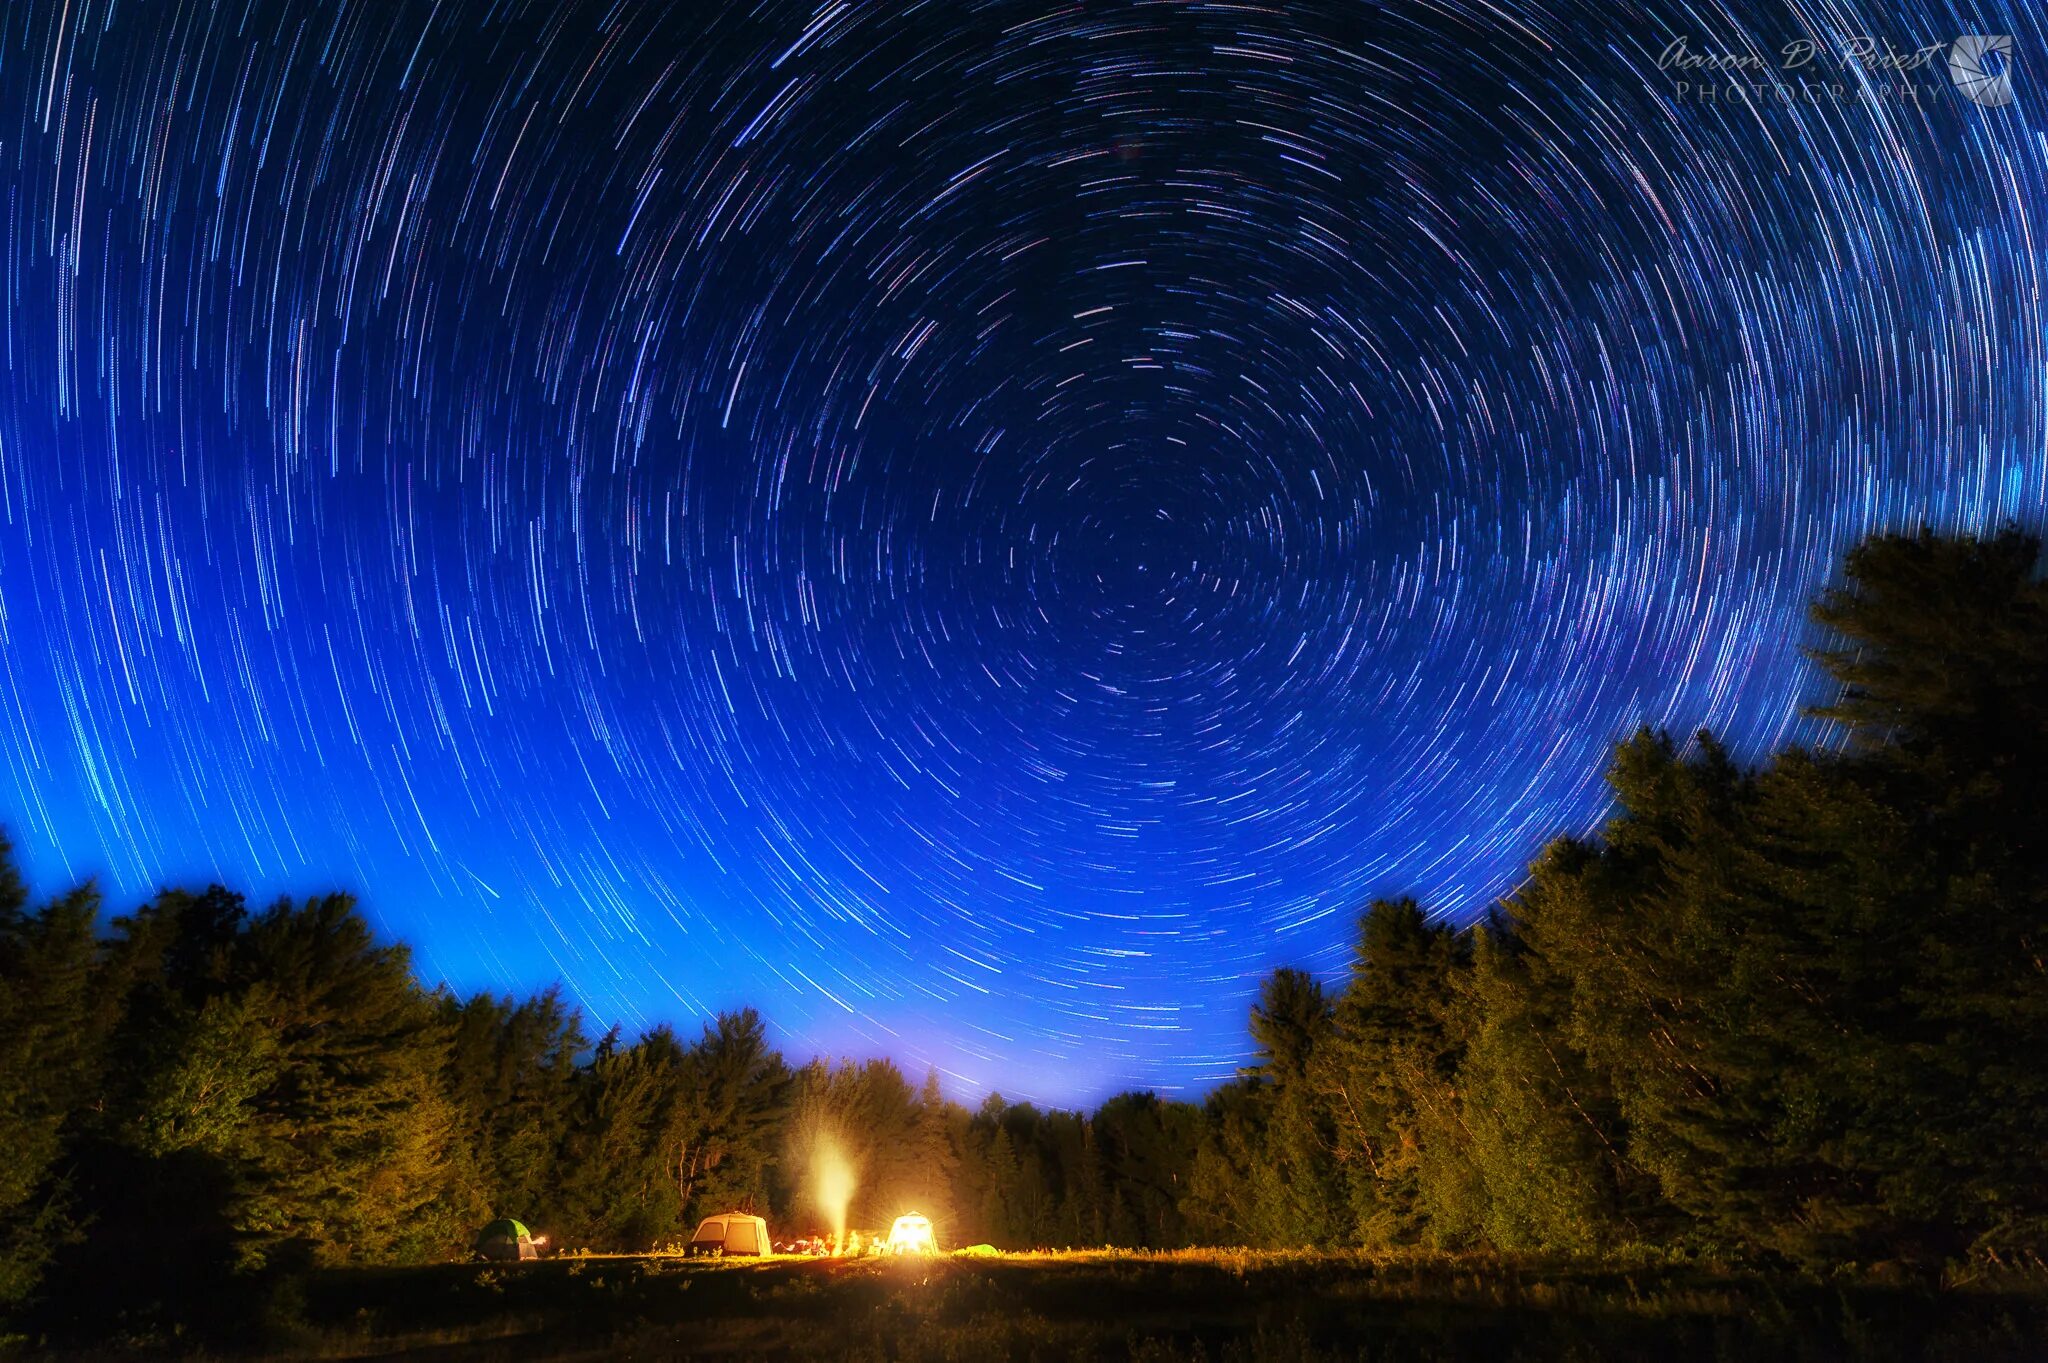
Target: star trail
{"points": [[976, 528]]}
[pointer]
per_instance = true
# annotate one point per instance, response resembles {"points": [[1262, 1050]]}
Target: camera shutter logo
{"points": [[1981, 66]]}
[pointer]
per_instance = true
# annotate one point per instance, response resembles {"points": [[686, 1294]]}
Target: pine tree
{"points": [[50, 1054], [934, 1151], [348, 1143], [513, 1075], [1386, 1074], [1546, 1135], [1939, 648], [1221, 1204], [999, 1185], [619, 1189], [721, 1136]]}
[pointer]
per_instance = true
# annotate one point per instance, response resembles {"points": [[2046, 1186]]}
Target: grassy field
{"points": [[1215, 1307]]}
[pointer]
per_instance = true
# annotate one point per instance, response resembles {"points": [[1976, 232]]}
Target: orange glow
{"points": [[833, 1183], [912, 1234]]}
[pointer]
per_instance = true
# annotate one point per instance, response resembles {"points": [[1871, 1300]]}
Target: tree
{"points": [[999, 1191], [513, 1076], [618, 1185], [1546, 1135], [50, 1052], [1939, 648], [1146, 1146], [348, 1145], [733, 1094], [934, 1151], [1295, 1189], [1221, 1206], [1939, 645], [1386, 1075]]}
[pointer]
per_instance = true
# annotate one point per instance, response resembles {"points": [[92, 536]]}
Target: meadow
{"points": [[1212, 1306]]}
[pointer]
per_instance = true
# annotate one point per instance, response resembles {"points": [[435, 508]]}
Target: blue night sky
{"points": [[976, 528]]}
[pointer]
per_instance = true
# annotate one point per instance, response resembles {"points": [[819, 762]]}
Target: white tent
{"points": [[912, 1234], [730, 1233]]}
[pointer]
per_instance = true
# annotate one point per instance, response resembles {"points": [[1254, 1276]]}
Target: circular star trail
{"points": [[976, 528]]}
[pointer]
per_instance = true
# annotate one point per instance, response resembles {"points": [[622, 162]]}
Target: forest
{"points": [[1789, 1014]]}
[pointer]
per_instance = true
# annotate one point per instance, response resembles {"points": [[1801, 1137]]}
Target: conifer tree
{"points": [[50, 1052]]}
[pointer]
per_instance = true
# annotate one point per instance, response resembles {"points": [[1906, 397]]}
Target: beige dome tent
{"points": [[730, 1233]]}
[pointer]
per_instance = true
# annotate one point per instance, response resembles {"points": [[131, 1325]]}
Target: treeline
{"points": [[1797, 1012]]}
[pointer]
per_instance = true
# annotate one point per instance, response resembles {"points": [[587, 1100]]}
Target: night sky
{"points": [[978, 529]]}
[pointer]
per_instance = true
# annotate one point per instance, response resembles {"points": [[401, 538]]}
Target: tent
{"points": [[912, 1234], [506, 1239], [730, 1233]]}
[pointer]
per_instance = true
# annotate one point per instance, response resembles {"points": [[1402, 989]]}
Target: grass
{"points": [[1215, 1307], [1111, 1306]]}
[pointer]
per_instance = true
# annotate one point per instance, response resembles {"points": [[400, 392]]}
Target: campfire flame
{"points": [[832, 1184]]}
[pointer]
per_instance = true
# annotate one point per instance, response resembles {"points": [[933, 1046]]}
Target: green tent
{"points": [[506, 1239]]}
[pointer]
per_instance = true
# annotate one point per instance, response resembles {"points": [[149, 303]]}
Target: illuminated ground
{"points": [[1209, 1306]]}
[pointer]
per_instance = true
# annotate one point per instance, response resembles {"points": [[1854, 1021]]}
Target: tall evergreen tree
{"points": [[50, 1053], [934, 1163], [350, 1140], [1387, 1073], [513, 1076], [1545, 1133], [733, 1092], [1222, 1204], [1295, 1197], [1939, 649]]}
